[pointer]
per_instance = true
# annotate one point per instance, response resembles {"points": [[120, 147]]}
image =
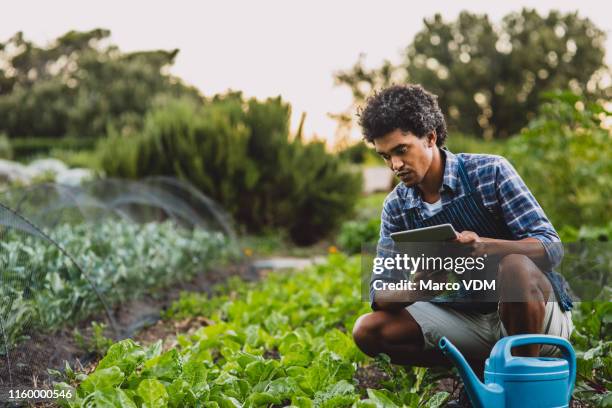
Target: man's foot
{"points": [[462, 402]]}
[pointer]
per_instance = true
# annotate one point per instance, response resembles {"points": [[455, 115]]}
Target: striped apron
{"points": [[468, 213]]}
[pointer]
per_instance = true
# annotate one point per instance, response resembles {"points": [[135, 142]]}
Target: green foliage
{"points": [[586, 266], [286, 340], [564, 157], [360, 153], [460, 143], [371, 205], [89, 159], [283, 341], [6, 150], [79, 85], [27, 147], [96, 342], [354, 234], [239, 153], [364, 229], [43, 290], [593, 340], [488, 76]]}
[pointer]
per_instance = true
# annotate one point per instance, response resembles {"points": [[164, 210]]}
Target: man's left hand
{"points": [[476, 245]]}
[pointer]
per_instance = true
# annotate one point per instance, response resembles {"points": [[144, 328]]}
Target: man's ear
{"points": [[432, 138]]}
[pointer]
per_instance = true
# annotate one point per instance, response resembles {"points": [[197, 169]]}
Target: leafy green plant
{"points": [[43, 290], [96, 342], [76, 157], [461, 143], [6, 150], [283, 341], [564, 157], [239, 152], [593, 341], [286, 341], [354, 234], [29, 147]]}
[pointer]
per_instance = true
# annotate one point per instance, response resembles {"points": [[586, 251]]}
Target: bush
{"points": [[6, 150], [239, 153], [77, 158], [361, 153], [28, 147], [354, 234], [564, 157], [461, 143]]}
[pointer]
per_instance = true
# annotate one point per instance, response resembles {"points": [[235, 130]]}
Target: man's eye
{"points": [[402, 150]]}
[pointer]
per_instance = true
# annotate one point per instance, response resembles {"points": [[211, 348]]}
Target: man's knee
{"points": [[520, 279], [515, 266], [367, 328], [374, 331]]}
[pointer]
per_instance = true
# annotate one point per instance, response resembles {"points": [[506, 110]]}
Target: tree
{"points": [[564, 156], [80, 85], [489, 77]]}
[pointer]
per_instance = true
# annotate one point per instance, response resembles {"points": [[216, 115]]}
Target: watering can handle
{"points": [[563, 344]]}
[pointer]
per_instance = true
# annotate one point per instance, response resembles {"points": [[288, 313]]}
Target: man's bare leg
{"points": [[396, 334], [399, 336], [524, 290]]}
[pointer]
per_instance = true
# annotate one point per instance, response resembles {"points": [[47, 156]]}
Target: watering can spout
{"points": [[481, 395]]}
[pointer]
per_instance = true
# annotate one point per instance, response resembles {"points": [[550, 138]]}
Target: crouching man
{"points": [[490, 206]]}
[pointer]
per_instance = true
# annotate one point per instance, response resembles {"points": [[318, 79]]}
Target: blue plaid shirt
{"points": [[501, 190]]}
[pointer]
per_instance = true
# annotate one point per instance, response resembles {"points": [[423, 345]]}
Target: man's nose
{"points": [[396, 163]]}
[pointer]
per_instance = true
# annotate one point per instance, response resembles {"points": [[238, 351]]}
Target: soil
{"points": [[138, 319], [370, 376]]}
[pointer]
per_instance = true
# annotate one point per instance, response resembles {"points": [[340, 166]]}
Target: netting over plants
{"points": [[152, 199], [71, 255]]}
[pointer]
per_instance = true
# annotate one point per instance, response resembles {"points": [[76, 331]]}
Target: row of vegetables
{"points": [[286, 341], [282, 341], [45, 287]]}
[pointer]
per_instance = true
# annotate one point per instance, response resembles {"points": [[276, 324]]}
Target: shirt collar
{"points": [[451, 170], [449, 181]]}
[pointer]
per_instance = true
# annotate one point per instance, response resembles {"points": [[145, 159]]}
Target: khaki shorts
{"points": [[475, 333]]}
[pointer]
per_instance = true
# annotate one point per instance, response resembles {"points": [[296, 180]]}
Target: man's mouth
{"points": [[404, 175]]}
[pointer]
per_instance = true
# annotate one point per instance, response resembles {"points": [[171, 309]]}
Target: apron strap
{"points": [[465, 181]]}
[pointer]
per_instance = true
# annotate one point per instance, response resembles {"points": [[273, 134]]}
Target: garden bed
{"points": [[285, 340]]}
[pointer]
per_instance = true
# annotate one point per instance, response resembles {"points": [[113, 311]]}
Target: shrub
{"points": [[6, 150], [461, 143], [77, 158], [564, 157], [239, 153], [353, 234], [27, 147]]}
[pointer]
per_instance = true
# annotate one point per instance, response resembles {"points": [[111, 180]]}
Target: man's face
{"points": [[407, 155]]}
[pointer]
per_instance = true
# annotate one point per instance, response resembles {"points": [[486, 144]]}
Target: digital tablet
{"points": [[436, 233]]}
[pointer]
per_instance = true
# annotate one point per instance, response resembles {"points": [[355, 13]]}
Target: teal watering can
{"points": [[512, 382]]}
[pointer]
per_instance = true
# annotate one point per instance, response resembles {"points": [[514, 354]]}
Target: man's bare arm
{"points": [[530, 247]]}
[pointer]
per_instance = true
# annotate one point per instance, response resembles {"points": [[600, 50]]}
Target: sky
{"points": [[268, 48]]}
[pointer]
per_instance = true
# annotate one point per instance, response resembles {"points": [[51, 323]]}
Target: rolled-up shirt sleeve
{"points": [[523, 214]]}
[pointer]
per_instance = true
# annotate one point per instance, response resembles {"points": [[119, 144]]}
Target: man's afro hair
{"points": [[409, 108]]}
